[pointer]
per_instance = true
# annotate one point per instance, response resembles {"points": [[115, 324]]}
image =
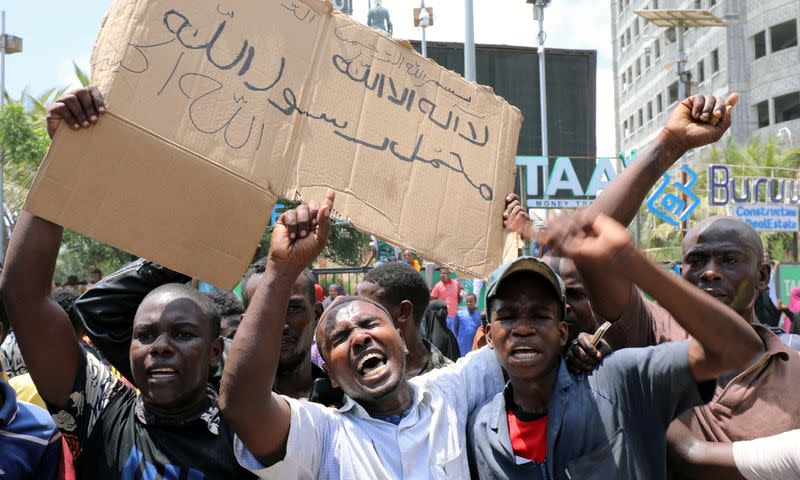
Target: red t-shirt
{"points": [[447, 292], [528, 438]]}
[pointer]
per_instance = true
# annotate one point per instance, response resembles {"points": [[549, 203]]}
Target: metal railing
{"points": [[346, 277]]}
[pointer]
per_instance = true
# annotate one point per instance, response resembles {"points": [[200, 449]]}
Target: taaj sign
{"points": [[556, 184]]}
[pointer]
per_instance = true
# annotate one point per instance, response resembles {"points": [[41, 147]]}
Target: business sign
{"points": [[766, 217], [556, 184], [788, 278], [725, 189], [674, 201]]}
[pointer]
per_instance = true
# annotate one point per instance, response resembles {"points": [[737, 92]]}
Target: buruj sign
{"points": [[766, 217], [674, 200], [725, 189]]}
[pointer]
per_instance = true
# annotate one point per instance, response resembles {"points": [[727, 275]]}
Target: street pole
{"points": [[2, 157], [469, 41], [542, 82], [538, 10], [424, 41], [682, 88]]}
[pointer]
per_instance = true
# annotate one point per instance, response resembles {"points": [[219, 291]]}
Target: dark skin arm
{"points": [[44, 332], [722, 341], [692, 458], [246, 399], [697, 121]]}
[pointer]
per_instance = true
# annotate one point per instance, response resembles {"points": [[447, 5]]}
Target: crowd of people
{"points": [[146, 376]]}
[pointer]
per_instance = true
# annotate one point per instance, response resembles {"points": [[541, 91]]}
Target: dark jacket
{"points": [[433, 328]]}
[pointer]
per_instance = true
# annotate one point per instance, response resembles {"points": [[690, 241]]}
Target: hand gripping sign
{"points": [[216, 109]]}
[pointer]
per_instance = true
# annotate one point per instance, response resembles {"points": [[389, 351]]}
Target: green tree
{"points": [[756, 158]]}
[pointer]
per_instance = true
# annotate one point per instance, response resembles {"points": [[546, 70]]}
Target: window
{"points": [[760, 44], [697, 4], [622, 42], [762, 112], [647, 60], [630, 124], [712, 3], [669, 35], [783, 35], [672, 93], [649, 111], [715, 61], [636, 27], [655, 4], [787, 107], [628, 36], [630, 74], [641, 117], [638, 67], [659, 103], [623, 81], [701, 71], [625, 131], [657, 48]]}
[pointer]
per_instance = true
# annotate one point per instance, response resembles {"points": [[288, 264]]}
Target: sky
{"points": [[56, 32]]}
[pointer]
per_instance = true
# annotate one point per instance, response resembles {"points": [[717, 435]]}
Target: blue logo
{"points": [[669, 206], [149, 472]]}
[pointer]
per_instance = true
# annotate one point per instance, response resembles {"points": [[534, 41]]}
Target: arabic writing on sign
{"points": [[397, 58], [234, 102], [381, 83]]}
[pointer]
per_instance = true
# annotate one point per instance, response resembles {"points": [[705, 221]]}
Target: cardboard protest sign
{"points": [[218, 108]]}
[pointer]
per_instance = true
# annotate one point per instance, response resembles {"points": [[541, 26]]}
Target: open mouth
{"points": [[524, 353], [162, 373], [716, 293], [371, 365]]}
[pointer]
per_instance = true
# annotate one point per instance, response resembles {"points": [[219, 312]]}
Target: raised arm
{"points": [[44, 332], [697, 121], [722, 340], [260, 418]]}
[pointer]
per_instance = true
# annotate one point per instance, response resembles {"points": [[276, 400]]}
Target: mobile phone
{"points": [[598, 335]]}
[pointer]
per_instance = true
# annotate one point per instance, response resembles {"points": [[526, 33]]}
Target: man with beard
{"points": [[170, 426], [296, 373], [611, 423], [388, 426]]}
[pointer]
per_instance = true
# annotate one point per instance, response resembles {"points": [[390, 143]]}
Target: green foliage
{"points": [[756, 158], [82, 77], [346, 245], [80, 253], [24, 142]]}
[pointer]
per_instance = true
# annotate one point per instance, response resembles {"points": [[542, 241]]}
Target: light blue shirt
{"points": [[429, 442]]}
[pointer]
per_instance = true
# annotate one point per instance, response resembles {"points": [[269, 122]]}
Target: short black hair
{"points": [[227, 303], [260, 267], [401, 282], [66, 300], [208, 308], [96, 270]]}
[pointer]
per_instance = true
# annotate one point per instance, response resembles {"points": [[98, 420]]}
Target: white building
{"points": [[757, 55]]}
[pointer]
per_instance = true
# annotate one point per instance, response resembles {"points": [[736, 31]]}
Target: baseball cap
{"points": [[531, 265]]}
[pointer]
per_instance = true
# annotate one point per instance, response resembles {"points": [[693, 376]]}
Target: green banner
{"points": [[788, 278]]}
